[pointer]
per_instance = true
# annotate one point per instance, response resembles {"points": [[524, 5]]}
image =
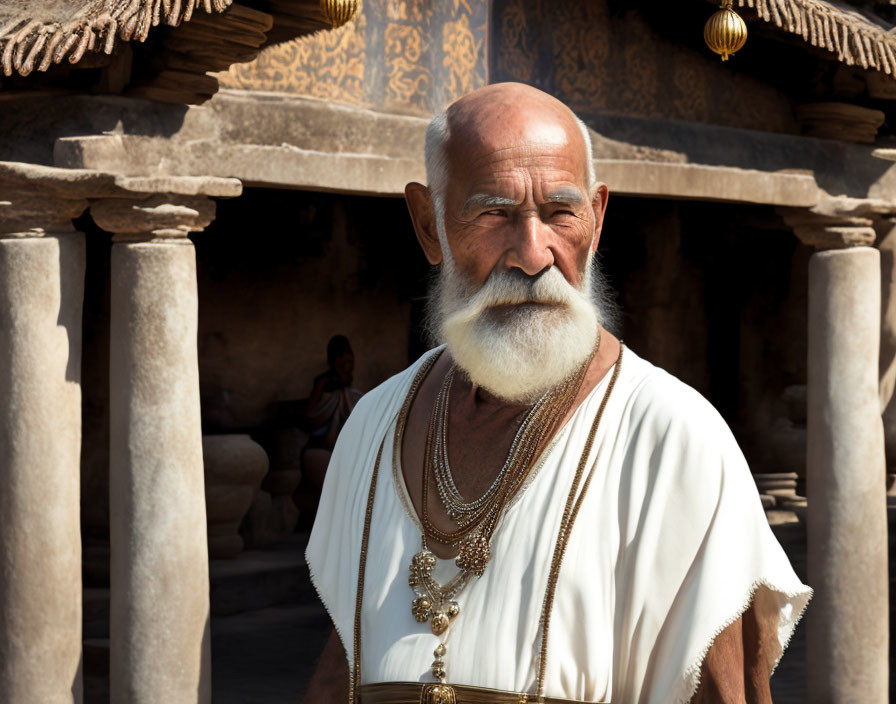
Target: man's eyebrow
{"points": [[486, 200], [566, 195]]}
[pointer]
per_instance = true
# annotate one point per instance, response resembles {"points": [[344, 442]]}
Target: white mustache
{"points": [[508, 288]]}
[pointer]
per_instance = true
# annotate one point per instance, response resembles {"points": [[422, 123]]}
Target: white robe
{"points": [[670, 546]]}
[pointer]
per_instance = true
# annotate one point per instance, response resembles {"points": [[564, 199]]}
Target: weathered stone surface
{"points": [[157, 139], [159, 574], [163, 216], [702, 182], [78, 183], [41, 295], [29, 212], [835, 223], [847, 523], [286, 164]]}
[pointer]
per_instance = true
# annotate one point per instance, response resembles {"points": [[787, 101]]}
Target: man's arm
{"points": [[736, 667], [329, 684]]}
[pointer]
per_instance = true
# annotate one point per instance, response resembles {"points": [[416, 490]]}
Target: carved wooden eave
{"points": [[35, 34], [857, 36]]}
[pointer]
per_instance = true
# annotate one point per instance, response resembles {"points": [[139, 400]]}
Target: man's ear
{"points": [[599, 205], [423, 215]]}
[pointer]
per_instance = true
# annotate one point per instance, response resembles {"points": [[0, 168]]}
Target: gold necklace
{"points": [[571, 510], [459, 510], [473, 537], [437, 603]]}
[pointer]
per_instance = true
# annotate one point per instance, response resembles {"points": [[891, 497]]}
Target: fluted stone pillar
{"points": [[847, 623], [41, 297], [160, 650]]}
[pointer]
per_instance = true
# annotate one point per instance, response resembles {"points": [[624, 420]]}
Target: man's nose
{"points": [[530, 250]]}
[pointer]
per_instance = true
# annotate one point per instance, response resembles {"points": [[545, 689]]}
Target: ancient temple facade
{"points": [[195, 196]]}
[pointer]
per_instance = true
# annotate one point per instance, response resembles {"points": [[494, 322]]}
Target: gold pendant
{"points": [[475, 554], [437, 694]]}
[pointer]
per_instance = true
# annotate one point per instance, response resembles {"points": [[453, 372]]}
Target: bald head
{"points": [[498, 117]]}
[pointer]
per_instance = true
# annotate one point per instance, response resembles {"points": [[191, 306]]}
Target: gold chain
{"points": [[570, 512], [543, 422], [355, 672]]}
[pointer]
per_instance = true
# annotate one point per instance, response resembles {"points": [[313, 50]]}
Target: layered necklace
{"points": [[476, 519]]}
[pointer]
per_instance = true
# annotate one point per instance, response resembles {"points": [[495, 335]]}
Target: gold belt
{"points": [[416, 693]]}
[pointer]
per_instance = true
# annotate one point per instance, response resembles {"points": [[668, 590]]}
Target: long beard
{"points": [[518, 335]]}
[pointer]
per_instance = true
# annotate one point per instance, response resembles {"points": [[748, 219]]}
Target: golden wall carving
{"points": [[402, 55], [597, 60], [461, 51], [328, 65], [409, 82]]}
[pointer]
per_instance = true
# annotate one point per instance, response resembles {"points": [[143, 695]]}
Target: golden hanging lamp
{"points": [[338, 12], [725, 32]]}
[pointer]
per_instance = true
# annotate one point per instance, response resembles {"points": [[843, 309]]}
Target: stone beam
{"points": [[41, 299], [288, 166], [294, 142]]}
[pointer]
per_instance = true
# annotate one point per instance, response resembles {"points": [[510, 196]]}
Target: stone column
{"points": [[847, 623], [41, 297], [159, 620]]}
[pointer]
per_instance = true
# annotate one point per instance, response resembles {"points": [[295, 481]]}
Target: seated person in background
{"points": [[332, 400]]}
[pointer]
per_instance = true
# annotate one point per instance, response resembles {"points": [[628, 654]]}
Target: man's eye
{"points": [[499, 213]]}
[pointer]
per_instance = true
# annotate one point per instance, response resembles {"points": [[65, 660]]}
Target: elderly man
{"points": [[531, 512]]}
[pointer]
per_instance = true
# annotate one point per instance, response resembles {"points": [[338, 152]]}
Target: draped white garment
{"points": [[670, 547]]}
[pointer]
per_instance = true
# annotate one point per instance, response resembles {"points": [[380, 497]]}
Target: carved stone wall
{"points": [[604, 55], [405, 56]]}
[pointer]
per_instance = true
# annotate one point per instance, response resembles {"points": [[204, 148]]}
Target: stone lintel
{"points": [[704, 182], [82, 183], [161, 217]]}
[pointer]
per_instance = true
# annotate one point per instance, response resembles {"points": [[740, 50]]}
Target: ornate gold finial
{"points": [[725, 32], [338, 12]]}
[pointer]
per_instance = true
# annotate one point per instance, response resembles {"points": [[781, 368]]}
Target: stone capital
{"points": [[163, 217], [828, 229], [33, 212]]}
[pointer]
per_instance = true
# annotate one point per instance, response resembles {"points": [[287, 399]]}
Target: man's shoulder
{"points": [[663, 404]]}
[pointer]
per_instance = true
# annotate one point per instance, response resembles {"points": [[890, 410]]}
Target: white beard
{"points": [[518, 335]]}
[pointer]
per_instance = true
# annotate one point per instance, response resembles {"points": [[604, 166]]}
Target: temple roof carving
{"points": [[34, 34], [858, 36]]}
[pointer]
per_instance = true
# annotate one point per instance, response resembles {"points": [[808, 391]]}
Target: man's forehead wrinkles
{"points": [[524, 153]]}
